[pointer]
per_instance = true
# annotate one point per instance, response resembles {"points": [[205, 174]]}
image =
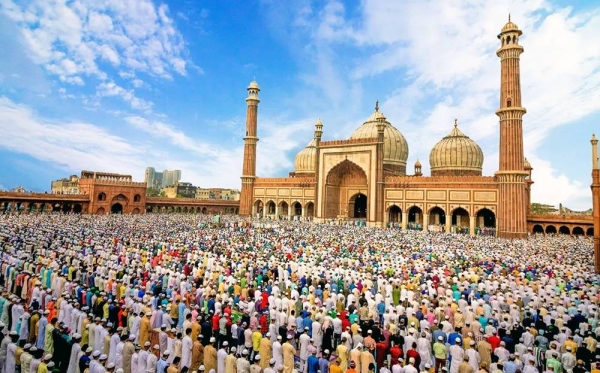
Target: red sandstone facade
{"points": [[113, 193]]}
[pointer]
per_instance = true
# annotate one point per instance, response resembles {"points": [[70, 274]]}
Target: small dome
{"points": [[395, 147], [305, 159], [456, 154], [527, 165], [508, 27], [253, 85], [418, 164]]}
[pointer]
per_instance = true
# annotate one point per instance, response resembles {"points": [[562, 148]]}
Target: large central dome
{"points": [[395, 147]]}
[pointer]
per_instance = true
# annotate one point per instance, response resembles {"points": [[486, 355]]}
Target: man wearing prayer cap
{"points": [[210, 355], [288, 352]]}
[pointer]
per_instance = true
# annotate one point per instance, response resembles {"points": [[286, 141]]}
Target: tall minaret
{"points": [[596, 202], [250, 140], [512, 195]]}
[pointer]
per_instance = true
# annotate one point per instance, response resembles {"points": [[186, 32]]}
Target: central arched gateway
{"points": [[116, 208], [346, 191]]}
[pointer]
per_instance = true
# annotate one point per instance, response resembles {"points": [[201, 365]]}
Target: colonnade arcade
{"points": [[288, 210], [458, 221], [34, 207]]}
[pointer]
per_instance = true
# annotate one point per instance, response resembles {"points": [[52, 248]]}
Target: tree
{"points": [[151, 192]]}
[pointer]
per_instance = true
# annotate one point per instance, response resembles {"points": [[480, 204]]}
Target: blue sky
{"points": [[120, 85]]}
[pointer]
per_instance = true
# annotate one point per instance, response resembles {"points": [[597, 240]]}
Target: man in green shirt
{"points": [[440, 352]]}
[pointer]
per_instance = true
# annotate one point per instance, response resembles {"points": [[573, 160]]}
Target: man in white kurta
{"points": [[74, 359], [186, 349], [9, 365]]}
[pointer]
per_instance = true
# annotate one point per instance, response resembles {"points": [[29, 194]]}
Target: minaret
{"points": [[512, 195], [317, 136], [596, 202], [379, 188], [250, 140], [418, 168]]}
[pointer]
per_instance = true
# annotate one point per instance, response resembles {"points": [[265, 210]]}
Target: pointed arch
{"points": [[538, 229], [437, 216], [342, 181], [283, 208], [310, 209], [578, 231], [394, 214], [415, 218], [485, 218]]}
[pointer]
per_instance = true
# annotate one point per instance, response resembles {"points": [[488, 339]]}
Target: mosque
{"points": [[365, 177]]}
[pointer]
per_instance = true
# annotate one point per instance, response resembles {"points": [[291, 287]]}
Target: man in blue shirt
{"points": [[381, 311], [312, 363]]}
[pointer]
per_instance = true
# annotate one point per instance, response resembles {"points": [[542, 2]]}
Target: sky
{"points": [[117, 86]]}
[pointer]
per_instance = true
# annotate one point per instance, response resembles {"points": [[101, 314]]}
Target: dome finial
{"points": [[455, 122], [377, 105], [508, 17]]}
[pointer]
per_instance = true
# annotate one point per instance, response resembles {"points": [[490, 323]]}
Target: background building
{"points": [[65, 185], [218, 193], [153, 179], [170, 177], [180, 190], [159, 180]]}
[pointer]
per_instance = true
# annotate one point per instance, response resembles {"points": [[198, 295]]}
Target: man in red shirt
{"points": [[414, 354], [494, 340]]}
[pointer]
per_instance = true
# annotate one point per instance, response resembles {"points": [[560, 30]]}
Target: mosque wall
{"points": [[287, 194], [441, 202]]}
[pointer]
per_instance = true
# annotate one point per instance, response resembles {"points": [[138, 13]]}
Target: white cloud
{"points": [[110, 89], [51, 142], [70, 39]]}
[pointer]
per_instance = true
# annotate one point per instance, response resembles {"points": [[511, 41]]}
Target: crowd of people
{"points": [[177, 293]]}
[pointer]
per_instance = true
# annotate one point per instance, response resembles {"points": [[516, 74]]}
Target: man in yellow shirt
{"points": [[569, 343], [256, 338]]}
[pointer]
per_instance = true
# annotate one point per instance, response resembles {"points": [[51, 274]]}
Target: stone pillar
{"points": [[264, 211], [303, 209], [276, 211], [472, 225], [250, 140], [448, 223], [425, 222], [289, 214], [404, 220]]}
